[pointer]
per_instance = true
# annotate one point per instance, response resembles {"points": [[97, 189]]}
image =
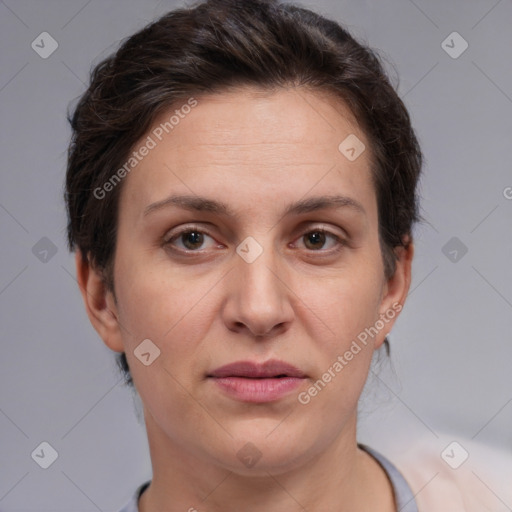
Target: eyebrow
{"points": [[203, 204]]}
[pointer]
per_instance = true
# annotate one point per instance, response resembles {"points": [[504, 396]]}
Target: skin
{"points": [[300, 301]]}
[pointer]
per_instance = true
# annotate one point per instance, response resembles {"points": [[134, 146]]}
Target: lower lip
{"points": [[258, 390]]}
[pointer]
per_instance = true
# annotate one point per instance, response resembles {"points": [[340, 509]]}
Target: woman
{"points": [[241, 191]]}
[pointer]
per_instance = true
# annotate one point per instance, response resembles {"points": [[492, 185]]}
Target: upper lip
{"points": [[250, 369]]}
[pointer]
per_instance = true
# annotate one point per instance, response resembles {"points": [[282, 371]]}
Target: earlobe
{"points": [[99, 303], [396, 289]]}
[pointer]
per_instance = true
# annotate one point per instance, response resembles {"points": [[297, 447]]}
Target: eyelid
{"points": [[171, 234], [329, 227], [324, 228]]}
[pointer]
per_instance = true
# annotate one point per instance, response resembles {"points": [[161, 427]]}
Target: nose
{"points": [[259, 298]]}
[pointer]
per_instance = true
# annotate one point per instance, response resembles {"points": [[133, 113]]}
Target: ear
{"points": [[99, 303], [395, 290]]}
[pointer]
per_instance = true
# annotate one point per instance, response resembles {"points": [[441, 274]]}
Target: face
{"points": [[247, 238]]}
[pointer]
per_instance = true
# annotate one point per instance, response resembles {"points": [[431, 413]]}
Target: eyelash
{"points": [[341, 243]]}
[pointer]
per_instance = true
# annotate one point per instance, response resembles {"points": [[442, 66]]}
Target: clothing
{"points": [[449, 473], [403, 495]]}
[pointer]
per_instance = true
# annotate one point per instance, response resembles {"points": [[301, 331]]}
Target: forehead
{"points": [[245, 116], [248, 144]]}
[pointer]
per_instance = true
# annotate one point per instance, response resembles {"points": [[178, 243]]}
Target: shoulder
{"points": [[459, 475]]}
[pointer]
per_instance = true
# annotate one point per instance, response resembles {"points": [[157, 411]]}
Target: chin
{"points": [[265, 446]]}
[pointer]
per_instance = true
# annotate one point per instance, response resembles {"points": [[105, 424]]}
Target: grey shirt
{"points": [[403, 495]]}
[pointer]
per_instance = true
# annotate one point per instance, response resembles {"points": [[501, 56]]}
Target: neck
{"points": [[343, 478]]}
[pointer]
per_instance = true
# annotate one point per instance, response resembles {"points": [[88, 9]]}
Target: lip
{"points": [[248, 381], [253, 370]]}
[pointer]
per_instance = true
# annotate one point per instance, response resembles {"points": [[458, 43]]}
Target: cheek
{"points": [[172, 314], [164, 304], [348, 303], [154, 298], [347, 306]]}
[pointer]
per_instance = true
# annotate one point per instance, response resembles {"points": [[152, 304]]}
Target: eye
{"points": [[317, 240], [190, 239]]}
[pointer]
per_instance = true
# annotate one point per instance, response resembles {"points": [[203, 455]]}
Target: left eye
{"points": [[317, 239]]}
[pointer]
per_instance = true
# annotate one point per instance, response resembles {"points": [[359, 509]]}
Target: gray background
{"points": [[450, 370]]}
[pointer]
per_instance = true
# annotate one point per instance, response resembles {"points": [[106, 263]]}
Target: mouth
{"points": [[248, 381], [251, 370]]}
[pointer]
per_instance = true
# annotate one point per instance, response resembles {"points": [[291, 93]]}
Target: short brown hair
{"points": [[213, 46]]}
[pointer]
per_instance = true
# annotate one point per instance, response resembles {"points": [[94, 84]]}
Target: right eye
{"points": [[189, 239]]}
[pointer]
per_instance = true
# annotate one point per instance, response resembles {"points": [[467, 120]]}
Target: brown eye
{"points": [[315, 240], [321, 241], [192, 240]]}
